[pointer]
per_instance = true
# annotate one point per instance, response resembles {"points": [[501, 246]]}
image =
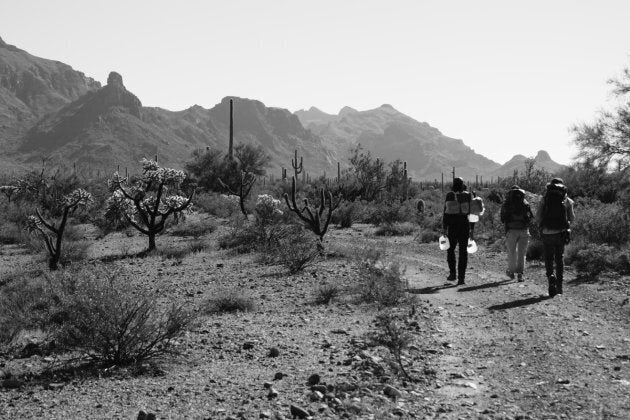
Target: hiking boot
{"points": [[520, 277], [509, 274], [461, 282], [451, 277], [552, 286], [559, 287]]}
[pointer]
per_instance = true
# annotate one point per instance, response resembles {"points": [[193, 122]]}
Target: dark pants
{"points": [[554, 252], [458, 235]]}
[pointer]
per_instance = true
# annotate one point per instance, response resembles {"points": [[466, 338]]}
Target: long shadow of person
{"points": [[518, 303], [431, 289], [485, 285]]}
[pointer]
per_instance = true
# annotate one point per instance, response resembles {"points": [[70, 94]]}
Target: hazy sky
{"points": [[507, 77]]}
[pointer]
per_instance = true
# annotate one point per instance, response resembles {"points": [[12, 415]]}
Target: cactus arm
{"points": [[49, 226]]}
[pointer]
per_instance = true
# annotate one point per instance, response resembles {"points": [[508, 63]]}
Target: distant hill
{"points": [[542, 160], [390, 134]]}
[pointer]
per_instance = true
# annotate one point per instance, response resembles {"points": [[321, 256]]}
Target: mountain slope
{"points": [[391, 135], [31, 87], [109, 127]]}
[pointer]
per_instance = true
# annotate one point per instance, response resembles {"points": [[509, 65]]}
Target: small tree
{"points": [[151, 199], [53, 235], [606, 142]]}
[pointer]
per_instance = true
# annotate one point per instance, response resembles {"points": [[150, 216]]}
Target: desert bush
{"points": [[395, 229], [296, 251], [601, 223], [348, 213], [180, 251], [621, 261], [10, 234], [229, 300], [325, 294], [428, 236], [380, 281], [391, 212], [242, 238], [103, 316], [195, 228], [391, 335], [593, 259], [95, 311], [216, 204]]}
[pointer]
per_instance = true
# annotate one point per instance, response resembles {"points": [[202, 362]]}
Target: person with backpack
{"points": [[516, 214], [555, 215], [457, 229]]}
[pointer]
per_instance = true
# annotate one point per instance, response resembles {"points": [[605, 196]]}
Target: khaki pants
{"points": [[516, 241]]}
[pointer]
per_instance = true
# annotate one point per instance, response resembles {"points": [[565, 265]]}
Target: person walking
{"points": [[457, 229], [516, 214], [555, 215]]}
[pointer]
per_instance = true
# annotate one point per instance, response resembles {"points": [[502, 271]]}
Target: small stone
{"points": [[248, 345], [391, 392], [316, 396], [267, 385], [563, 381], [278, 376], [273, 393], [298, 412], [320, 388], [274, 352], [265, 415], [314, 379]]}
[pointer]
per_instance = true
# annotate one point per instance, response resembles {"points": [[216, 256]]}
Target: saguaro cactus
{"points": [[297, 168], [231, 141], [314, 218], [53, 236]]}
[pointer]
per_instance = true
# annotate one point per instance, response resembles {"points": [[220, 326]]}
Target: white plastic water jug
{"points": [[473, 218], [444, 243], [472, 246]]}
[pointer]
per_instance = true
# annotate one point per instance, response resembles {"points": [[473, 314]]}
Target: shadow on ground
{"points": [[486, 285], [431, 289], [519, 303]]}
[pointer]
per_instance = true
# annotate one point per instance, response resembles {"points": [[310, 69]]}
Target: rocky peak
{"points": [[115, 79], [347, 110], [2, 43], [543, 156]]}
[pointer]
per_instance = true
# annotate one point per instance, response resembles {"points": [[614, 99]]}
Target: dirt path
{"points": [[509, 350]]}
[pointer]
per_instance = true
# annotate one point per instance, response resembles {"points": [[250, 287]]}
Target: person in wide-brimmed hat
{"points": [[555, 215], [517, 214]]}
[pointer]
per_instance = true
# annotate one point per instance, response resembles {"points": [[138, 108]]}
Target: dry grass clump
{"points": [[325, 294], [296, 250], [179, 252], [228, 301]]}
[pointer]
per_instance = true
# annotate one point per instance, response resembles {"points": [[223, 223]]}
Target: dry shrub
{"points": [[325, 294], [179, 252], [427, 236], [229, 300], [97, 312], [216, 205], [381, 281], [296, 250], [396, 229], [601, 223], [195, 228]]}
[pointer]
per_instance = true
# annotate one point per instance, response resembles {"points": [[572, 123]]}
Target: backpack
{"points": [[554, 213], [461, 204], [518, 214]]}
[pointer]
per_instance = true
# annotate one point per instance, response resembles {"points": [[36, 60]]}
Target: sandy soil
{"points": [[493, 348]]}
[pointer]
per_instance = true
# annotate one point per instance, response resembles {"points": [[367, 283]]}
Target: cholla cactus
{"points": [[53, 235], [150, 200], [267, 207]]}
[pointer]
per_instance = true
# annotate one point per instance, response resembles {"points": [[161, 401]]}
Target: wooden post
{"points": [[442, 181]]}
